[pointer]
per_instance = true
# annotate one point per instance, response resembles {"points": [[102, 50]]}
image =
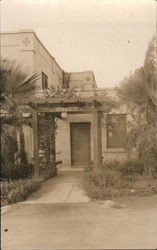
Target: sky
{"points": [[109, 37]]}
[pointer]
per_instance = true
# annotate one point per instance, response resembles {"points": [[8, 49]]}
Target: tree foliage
{"points": [[14, 80], [139, 90], [14, 85], [141, 86], [58, 92]]}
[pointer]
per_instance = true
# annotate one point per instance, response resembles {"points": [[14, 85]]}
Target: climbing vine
{"points": [[58, 92], [47, 127]]}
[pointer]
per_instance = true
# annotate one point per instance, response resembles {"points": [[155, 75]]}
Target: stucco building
{"points": [[75, 141]]}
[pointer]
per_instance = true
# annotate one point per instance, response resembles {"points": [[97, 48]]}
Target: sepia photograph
{"points": [[78, 89]]}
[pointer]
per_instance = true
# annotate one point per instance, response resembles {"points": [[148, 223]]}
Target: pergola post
{"points": [[97, 140], [36, 143]]}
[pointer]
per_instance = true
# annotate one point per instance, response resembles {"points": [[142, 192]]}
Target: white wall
{"points": [[44, 62], [25, 48]]}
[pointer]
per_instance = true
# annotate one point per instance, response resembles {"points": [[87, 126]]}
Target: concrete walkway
{"points": [[59, 216], [66, 187], [81, 226]]}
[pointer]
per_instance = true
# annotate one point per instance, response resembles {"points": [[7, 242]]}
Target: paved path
{"points": [[81, 226], [59, 216], [66, 187]]}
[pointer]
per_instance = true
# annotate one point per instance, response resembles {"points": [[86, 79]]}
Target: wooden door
{"points": [[80, 143]]}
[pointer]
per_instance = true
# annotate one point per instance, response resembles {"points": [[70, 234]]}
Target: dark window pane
{"points": [[44, 81], [116, 131]]}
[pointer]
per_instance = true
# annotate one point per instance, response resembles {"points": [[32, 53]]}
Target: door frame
{"points": [[89, 145]]}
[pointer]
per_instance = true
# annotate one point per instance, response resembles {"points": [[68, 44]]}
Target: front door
{"points": [[80, 143]]}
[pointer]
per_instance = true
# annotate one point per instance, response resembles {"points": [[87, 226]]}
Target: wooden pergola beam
{"points": [[48, 100], [68, 109]]}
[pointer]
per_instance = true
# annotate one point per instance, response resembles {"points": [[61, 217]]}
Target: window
{"points": [[116, 131], [44, 81]]}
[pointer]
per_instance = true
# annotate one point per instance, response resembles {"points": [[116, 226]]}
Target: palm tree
{"points": [[140, 89], [141, 86], [15, 85]]}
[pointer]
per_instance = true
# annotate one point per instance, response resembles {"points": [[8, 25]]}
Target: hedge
{"points": [[18, 190]]}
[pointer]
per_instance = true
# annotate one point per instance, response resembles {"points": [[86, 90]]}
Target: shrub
{"points": [[128, 167], [115, 179], [131, 167], [48, 173], [14, 163], [16, 171], [111, 165], [100, 184], [8, 151], [18, 190]]}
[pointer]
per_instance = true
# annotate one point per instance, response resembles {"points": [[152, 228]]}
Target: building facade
{"points": [[76, 131]]}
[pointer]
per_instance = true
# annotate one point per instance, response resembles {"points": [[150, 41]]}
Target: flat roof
{"points": [[31, 31]]}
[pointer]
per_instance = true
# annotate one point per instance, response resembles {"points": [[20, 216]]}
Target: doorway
{"points": [[80, 143]]}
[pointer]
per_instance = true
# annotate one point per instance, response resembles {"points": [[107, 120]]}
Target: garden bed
{"points": [[13, 191], [116, 179], [17, 190]]}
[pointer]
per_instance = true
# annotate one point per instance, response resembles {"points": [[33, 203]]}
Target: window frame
{"points": [[116, 146], [44, 79]]}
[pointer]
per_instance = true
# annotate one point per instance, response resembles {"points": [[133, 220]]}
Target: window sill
{"points": [[114, 150]]}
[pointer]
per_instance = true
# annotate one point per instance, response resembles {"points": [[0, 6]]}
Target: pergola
{"points": [[72, 106]]}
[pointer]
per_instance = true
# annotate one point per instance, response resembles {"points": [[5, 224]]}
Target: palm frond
{"points": [[27, 84], [15, 84], [141, 86], [7, 131], [9, 104], [15, 79], [150, 84], [132, 89]]}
